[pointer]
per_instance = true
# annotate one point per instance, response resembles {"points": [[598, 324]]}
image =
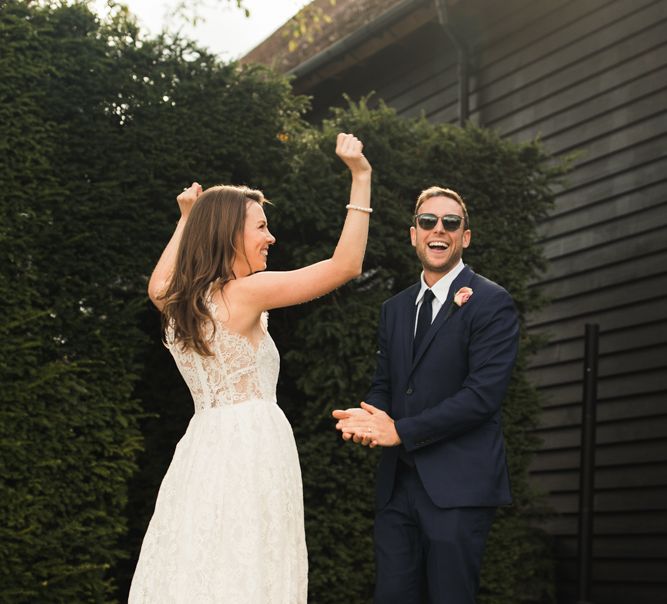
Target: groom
{"points": [[447, 346]]}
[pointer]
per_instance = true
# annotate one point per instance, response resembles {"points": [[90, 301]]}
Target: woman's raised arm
{"points": [[274, 289]]}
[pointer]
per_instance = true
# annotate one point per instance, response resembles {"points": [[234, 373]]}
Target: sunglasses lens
{"points": [[427, 221], [451, 222]]}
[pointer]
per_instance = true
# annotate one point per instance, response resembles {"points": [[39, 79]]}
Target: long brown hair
{"points": [[205, 256]]}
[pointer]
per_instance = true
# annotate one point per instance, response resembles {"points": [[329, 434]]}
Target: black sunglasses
{"points": [[450, 222]]}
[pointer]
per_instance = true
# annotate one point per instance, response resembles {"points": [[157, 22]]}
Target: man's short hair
{"points": [[442, 192]]}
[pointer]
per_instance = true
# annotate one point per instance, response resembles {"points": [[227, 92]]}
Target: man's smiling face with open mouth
{"points": [[439, 250]]}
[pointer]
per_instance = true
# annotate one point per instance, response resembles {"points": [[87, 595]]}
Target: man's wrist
{"points": [[398, 440], [398, 436]]}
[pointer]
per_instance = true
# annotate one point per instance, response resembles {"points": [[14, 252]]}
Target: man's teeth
{"points": [[438, 244]]}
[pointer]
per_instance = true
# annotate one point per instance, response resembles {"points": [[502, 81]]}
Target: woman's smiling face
{"points": [[252, 254]]}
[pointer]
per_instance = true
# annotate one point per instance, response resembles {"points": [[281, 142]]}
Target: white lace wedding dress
{"points": [[228, 521]]}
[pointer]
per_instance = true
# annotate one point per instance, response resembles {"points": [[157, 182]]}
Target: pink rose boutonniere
{"points": [[462, 296]]}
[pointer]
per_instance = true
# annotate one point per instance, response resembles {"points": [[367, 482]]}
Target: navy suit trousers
{"points": [[425, 554]]}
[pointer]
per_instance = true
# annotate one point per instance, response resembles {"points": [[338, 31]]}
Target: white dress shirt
{"points": [[440, 291]]}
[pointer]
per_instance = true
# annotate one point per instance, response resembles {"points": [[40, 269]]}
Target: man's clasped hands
{"points": [[367, 425]]}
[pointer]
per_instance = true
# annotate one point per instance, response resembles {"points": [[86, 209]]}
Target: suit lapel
{"points": [[448, 308]]}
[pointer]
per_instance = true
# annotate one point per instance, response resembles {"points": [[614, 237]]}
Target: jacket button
{"points": [[409, 391]]}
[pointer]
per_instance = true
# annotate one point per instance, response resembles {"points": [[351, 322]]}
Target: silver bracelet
{"points": [[350, 206]]}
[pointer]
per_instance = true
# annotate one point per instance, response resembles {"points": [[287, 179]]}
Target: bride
{"points": [[228, 520]]}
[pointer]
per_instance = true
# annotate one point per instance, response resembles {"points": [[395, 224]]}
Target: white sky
{"points": [[223, 28]]}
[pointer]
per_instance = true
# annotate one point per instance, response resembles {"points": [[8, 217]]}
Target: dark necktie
{"points": [[423, 319]]}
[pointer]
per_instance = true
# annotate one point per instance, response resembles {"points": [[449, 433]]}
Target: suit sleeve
{"points": [[379, 394], [492, 352]]}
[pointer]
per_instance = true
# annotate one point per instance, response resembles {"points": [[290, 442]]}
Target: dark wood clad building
{"points": [[586, 75]]}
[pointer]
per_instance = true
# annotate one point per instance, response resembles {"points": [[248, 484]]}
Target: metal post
{"points": [[587, 467]]}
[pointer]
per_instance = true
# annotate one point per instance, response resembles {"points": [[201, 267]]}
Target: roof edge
{"points": [[355, 38]]}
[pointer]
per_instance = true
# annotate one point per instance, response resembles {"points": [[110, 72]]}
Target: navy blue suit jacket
{"points": [[446, 400]]}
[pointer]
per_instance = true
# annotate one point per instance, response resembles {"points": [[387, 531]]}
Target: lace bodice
{"points": [[237, 372]]}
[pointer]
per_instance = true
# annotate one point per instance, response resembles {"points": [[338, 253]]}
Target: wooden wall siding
{"points": [[587, 76], [592, 77], [430, 88], [416, 62]]}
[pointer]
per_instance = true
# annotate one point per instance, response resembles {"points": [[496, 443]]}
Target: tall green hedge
{"points": [[100, 129], [68, 336]]}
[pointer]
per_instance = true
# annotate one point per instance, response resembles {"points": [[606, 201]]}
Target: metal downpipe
{"points": [[442, 9]]}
